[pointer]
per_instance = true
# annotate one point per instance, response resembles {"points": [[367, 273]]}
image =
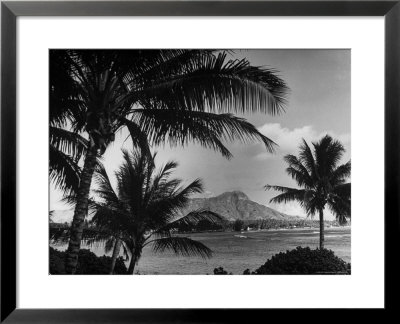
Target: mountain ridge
{"points": [[232, 205]]}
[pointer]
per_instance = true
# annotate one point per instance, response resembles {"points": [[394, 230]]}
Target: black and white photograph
{"points": [[199, 161]]}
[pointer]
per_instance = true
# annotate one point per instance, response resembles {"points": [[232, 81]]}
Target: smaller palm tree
{"points": [[144, 209], [322, 179]]}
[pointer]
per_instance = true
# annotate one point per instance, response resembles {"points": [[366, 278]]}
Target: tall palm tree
{"points": [[145, 208], [165, 95], [322, 179], [66, 147]]}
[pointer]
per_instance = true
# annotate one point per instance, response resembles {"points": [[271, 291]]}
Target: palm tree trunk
{"points": [[81, 208], [321, 229], [117, 248], [132, 263]]}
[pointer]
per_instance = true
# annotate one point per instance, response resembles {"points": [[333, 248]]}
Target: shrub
{"points": [[304, 261], [220, 271], [56, 262], [238, 225], [88, 263]]}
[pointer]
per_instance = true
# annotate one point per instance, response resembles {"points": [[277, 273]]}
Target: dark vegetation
{"points": [[304, 261], [284, 223], [238, 225], [88, 263], [300, 261], [201, 226], [225, 225], [258, 224], [220, 271]]}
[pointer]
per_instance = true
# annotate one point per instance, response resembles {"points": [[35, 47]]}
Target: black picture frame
{"points": [[10, 10]]}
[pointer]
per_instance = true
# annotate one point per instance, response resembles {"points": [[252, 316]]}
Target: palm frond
{"points": [[312, 203], [298, 171], [165, 208], [162, 64], [66, 100], [339, 201], [328, 153], [179, 128], [160, 185], [212, 83], [182, 246], [341, 173], [133, 178], [97, 238], [288, 194], [104, 188], [109, 244], [139, 138], [64, 171], [191, 219], [207, 129], [68, 142], [70, 200], [340, 205], [343, 190], [125, 250], [306, 157], [115, 219]]}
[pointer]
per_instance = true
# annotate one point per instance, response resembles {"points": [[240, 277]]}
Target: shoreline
{"points": [[266, 230]]}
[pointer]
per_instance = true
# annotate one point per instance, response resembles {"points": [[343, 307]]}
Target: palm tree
{"points": [[66, 147], [145, 209], [322, 179], [164, 95]]}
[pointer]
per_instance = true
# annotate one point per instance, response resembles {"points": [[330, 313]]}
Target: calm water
{"points": [[235, 251]]}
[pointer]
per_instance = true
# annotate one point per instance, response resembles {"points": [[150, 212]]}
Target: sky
{"points": [[319, 103]]}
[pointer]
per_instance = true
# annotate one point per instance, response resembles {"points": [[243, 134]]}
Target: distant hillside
{"points": [[231, 205], [236, 205]]}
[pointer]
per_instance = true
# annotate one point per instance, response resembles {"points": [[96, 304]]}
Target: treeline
{"points": [[238, 225], [202, 226], [279, 224], [259, 224]]}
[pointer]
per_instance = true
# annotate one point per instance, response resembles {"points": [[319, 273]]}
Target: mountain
{"points": [[236, 205], [231, 205]]}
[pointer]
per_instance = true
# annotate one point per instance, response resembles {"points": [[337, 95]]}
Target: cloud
{"points": [[294, 209], [205, 194], [290, 139], [290, 208]]}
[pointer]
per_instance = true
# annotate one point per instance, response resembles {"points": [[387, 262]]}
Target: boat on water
{"points": [[240, 236]]}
